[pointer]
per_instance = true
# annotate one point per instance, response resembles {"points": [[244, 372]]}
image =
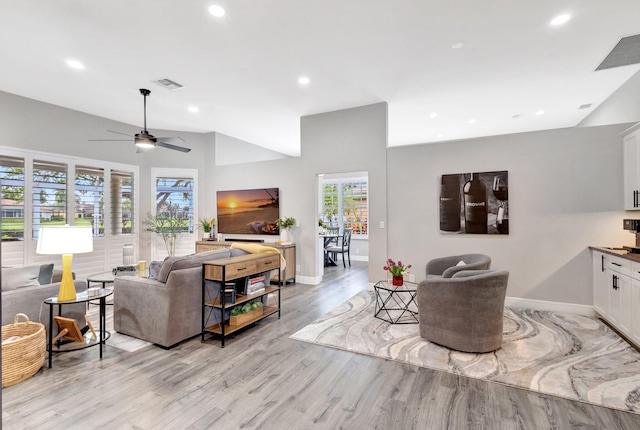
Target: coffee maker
{"points": [[633, 225]]}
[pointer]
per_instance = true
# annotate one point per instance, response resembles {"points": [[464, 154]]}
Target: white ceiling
{"points": [[241, 70]]}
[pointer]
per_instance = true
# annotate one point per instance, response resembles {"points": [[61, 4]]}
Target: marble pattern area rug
{"points": [[561, 354]]}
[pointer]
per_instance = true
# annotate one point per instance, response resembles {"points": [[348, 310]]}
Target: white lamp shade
{"points": [[65, 240]]}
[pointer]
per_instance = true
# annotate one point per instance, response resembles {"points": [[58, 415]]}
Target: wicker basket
{"points": [[21, 359]]}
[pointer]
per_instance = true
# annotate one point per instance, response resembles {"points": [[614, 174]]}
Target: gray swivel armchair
{"points": [[464, 312], [446, 267]]}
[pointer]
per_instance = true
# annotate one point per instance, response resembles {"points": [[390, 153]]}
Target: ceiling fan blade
{"points": [[170, 139], [110, 140], [174, 147], [117, 132]]}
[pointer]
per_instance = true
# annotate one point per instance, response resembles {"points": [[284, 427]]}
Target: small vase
{"points": [[397, 281], [206, 235], [284, 236]]}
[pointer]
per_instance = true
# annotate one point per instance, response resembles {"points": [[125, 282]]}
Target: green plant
{"points": [[396, 269], [286, 223], [167, 224], [247, 307], [206, 224]]}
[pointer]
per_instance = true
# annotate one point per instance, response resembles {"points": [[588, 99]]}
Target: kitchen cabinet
{"points": [[631, 151], [616, 293]]}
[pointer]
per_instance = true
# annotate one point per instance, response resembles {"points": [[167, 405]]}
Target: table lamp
{"points": [[66, 241]]}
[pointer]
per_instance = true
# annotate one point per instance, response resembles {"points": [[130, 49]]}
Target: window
{"points": [[49, 202], [89, 201], [174, 197], [345, 204], [121, 202], [12, 206]]}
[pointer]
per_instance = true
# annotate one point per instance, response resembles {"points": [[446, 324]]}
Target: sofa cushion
{"points": [[16, 277], [46, 274], [188, 261]]}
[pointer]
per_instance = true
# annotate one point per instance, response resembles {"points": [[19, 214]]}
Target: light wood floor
{"points": [[262, 379]]}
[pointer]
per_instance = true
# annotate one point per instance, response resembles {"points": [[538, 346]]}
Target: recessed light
{"points": [[303, 80], [433, 115], [472, 121], [560, 19], [74, 64], [457, 45], [193, 109], [540, 112], [440, 136], [216, 11]]}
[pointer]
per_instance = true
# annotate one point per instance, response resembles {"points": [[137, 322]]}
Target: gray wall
{"points": [[342, 141], [30, 124], [565, 193]]}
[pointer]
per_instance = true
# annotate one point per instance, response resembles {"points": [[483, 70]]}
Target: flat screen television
{"points": [[249, 211]]}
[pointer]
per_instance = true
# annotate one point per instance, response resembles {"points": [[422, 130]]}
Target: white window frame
{"points": [[185, 241], [340, 180]]}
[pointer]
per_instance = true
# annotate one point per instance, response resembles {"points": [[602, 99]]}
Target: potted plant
{"points": [[246, 312], [207, 224], [167, 223], [397, 271], [285, 224]]}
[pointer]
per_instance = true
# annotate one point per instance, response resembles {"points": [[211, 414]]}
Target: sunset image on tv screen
{"points": [[248, 211]]}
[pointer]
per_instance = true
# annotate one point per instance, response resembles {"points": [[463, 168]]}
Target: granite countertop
{"points": [[619, 252]]}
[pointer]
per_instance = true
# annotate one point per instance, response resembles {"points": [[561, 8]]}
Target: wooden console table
{"points": [[232, 269], [288, 252]]}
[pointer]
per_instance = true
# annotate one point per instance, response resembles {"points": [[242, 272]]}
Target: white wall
{"points": [[565, 193], [230, 150]]}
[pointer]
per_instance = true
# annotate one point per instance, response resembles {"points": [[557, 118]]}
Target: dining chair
{"points": [[343, 247]]}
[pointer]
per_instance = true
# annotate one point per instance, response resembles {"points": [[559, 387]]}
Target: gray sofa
{"points": [[464, 312], [166, 310], [24, 290]]}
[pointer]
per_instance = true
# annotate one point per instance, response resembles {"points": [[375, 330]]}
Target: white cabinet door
{"points": [[600, 283], [635, 316], [626, 306], [613, 312], [631, 150]]}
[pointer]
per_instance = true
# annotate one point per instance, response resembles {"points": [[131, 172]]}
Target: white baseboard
{"points": [[308, 280], [543, 305], [359, 257]]}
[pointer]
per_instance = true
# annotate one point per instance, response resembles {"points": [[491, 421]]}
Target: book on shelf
{"points": [[256, 291]]}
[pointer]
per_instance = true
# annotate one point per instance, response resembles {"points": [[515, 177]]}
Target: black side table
{"points": [[100, 294], [396, 305]]}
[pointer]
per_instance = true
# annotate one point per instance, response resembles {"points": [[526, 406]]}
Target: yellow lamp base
{"points": [[67, 291]]}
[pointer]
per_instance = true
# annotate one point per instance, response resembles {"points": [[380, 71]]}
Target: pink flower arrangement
{"points": [[397, 269]]}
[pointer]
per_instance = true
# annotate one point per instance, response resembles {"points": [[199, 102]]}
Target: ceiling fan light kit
{"points": [[144, 139]]}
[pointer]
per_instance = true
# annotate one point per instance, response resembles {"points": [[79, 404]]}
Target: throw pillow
{"points": [[461, 263], [154, 269], [46, 274], [16, 277]]}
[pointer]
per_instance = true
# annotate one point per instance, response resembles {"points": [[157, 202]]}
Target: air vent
{"points": [[585, 106], [168, 84], [626, 52]]}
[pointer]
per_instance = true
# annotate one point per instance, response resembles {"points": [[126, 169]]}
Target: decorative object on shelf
{"points": [[246, 312], [285, 225], [207, 224], [65, 240], [397, 270], [167, 224]]}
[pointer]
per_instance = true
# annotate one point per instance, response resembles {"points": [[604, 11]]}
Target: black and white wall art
{"points": [[475, 203]]}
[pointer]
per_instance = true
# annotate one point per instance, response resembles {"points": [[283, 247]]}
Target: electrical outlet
{"points": [[357, 250], [381, 224], [412, 277], [297, 267]]}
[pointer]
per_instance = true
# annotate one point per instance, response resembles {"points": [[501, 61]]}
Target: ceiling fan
{"points": [[145, 140]]}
